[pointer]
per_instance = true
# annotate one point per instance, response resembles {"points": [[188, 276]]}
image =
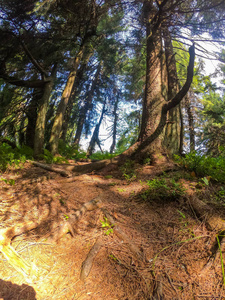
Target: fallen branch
{"points": [[51, 168], [87, 264], [122, 235]]}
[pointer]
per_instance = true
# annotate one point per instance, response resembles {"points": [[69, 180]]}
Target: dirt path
{"points": [[174, 243]]}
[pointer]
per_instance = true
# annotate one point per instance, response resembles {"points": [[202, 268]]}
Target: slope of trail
{"points": [[156, 248]]}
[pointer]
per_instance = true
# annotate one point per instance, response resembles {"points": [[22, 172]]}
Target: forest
{"points": [[112, 149]]}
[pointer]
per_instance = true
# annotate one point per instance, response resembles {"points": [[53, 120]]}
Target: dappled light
{"points": [[112, 150]]}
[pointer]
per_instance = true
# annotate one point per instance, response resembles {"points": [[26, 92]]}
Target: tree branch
{"points": [[33, 60], [23, 83]]}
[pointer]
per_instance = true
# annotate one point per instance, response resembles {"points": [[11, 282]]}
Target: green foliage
{"points": [[128, 170], [8, 181], [109, 227], [49, 158], [204, 165], [13, 157], [221, 258], [100, 156], [162, 189]]}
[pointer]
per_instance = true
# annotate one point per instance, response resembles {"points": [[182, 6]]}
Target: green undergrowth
{"points": [[13, 157], [128, 170], [162, 189], [204, 165]]}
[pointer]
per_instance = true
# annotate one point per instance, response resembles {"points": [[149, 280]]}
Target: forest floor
{"points": [[157, 218]]}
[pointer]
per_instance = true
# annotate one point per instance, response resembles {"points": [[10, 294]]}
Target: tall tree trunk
{"points": [[112, 147], [84, 109], [57, 125], [153, 97], [156, 106], [41, 116], [73, 95], [95, 135], [190, 122], [172, 129], [32, 117]]}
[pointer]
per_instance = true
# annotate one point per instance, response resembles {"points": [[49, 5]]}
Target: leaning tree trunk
{"points": [[112, 147], [41, 117], [57, 125], [72, 97], [95, 136], [84, 109], [190, 122]]}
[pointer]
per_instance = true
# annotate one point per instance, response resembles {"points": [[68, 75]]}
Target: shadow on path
{"points": [[11, 291]]}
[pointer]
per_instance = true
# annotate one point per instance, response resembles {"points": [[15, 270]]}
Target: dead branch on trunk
{"points": [[122, 235], [87, 264]]}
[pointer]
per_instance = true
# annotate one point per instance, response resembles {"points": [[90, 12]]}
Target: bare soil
{"points": [[175, 243]]}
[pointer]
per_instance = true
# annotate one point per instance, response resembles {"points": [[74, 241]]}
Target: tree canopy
{"points": [[66, 66]]}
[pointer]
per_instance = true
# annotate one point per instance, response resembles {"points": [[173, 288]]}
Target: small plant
{"points": [[112, 183], [62, 202], [147, 161], [206, 180], [221, 259], [108, 176], [105, 224], [8, 181], [113, 257], [162, 189], [128, 171], [121, 190], [66, 217]]}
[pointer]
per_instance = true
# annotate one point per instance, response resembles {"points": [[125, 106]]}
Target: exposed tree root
{"points": [[68, 226], [6, 235], [122, 235], [215, 223], [87, 264]]}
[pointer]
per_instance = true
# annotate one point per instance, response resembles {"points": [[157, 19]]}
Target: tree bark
{"points": [[31, 114], [41, 117], [112, 147], [57, 125], [73, 96], [136, 149], [171, 140], [190, 122], [95, 136]]}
